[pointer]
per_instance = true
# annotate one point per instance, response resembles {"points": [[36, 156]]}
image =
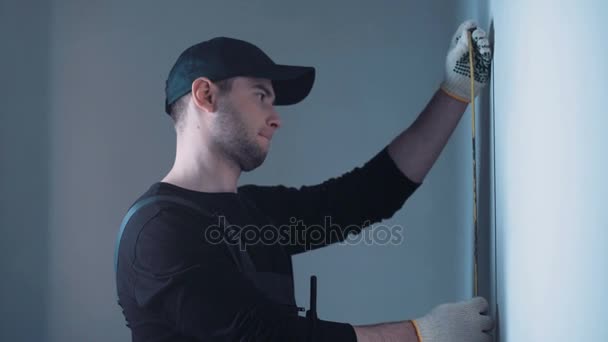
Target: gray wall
{"points": [[24, 160], [107, 139]]}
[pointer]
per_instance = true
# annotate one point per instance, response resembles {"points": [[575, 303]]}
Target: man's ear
{"points": [[204, 94]]}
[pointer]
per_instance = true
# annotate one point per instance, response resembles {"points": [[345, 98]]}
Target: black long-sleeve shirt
{"points": [[176, 284]]}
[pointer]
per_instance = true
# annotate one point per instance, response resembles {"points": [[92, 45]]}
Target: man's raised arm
{"points": [[417, 148]]}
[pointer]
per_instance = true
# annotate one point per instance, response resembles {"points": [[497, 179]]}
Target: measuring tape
{"points": [[472, 69]]}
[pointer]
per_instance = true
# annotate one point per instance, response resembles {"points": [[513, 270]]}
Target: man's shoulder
{"points": [[161, 215], [162, 210]]}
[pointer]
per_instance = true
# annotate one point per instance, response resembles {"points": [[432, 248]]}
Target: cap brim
{"points": [[291, 83]]}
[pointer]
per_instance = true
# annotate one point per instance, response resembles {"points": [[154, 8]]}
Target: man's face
{"points": [[246, 121]]}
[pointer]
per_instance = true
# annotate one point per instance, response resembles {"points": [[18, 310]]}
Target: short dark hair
{"points": [[177, 109]]}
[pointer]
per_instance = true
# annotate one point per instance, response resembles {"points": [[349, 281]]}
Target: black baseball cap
{"points": [[223, 57]]}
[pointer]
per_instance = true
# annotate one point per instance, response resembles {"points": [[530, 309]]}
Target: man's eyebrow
{"points": [[262, 87]]}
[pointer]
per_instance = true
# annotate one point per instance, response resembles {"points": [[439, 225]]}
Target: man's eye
{"points": [[262, 96]]}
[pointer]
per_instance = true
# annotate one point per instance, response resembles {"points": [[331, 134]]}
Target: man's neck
{"points": [[203, 173]]}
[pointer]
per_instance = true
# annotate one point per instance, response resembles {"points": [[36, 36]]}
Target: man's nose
{"points": [[274, 120]]}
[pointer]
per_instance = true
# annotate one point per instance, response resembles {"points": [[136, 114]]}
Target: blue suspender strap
{"points": [[241, 258], [134, 208]]}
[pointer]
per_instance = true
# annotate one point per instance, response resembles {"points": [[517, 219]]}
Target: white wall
{"points": [[551, 82]]}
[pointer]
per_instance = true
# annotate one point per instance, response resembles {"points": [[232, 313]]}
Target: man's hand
{"points": [[450, 322], [456, 322], [457, 81]]}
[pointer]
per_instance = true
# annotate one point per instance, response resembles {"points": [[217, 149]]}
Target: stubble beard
{"points": [[232, 139]]}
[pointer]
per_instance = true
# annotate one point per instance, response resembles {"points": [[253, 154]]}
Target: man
{"points": [[182, 275]]}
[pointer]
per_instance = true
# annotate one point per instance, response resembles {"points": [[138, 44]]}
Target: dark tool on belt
{"points": [[311, 314]]}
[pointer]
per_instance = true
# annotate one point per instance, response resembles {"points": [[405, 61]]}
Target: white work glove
{"points": [[457, 82], [456, 322]]}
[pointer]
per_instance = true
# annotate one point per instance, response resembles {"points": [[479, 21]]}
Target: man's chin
{"points": [[253, 164]]}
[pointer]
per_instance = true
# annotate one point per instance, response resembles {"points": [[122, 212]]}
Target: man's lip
{"points": [[266, 136]]}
